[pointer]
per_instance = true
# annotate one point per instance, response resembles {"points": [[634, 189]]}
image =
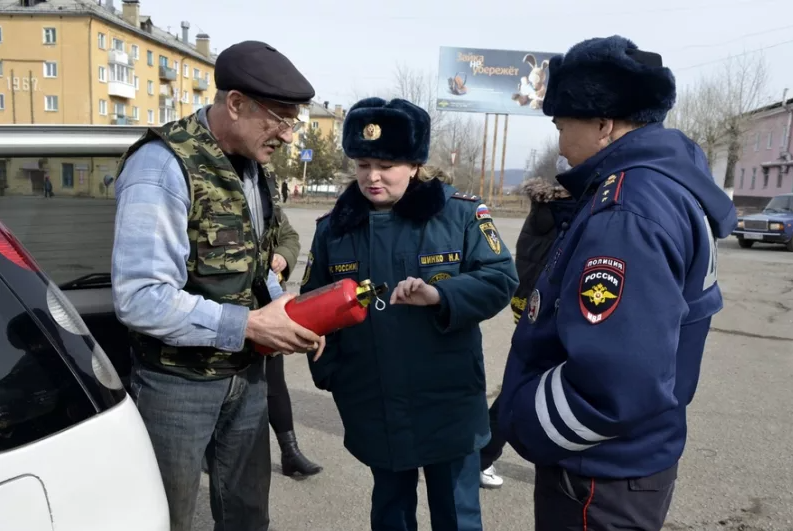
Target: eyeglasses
{"points": [[284, 124]]}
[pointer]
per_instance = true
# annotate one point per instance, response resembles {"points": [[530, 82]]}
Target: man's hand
{"points": [[321, 348], [416, 292], [278, 263], [271, 326]]}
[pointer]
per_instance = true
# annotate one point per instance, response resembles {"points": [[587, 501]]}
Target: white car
{"points": [[74, 452]]}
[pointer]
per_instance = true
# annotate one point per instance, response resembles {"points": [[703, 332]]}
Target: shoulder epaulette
{"points": [[465, 197], [609, 193]]}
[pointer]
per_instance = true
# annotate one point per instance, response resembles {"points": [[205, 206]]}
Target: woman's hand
{"points": [[416, 292]]}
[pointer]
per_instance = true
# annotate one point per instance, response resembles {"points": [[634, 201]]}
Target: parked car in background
{"points": [[773, 225], [74, 452]]}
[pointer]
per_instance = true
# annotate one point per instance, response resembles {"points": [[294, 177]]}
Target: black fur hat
{"points": [[609, 78], [396, 130]]}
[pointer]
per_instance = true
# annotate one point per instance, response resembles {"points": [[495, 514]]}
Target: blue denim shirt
{"points": [[150, 252]]}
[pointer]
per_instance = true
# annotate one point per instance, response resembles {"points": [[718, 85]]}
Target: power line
{"points": [[739, 38], [733, 56]]}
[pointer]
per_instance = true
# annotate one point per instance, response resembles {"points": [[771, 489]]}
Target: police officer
{"points": [[409, 382], [193, 245], [607, 356]]}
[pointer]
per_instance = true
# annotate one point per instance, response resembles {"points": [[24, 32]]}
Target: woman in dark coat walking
{"points": [[550, 206]]}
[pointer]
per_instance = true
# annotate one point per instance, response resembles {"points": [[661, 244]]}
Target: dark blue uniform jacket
{"points": [[607, 355], [409, 382]]}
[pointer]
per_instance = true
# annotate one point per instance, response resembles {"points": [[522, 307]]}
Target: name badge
{"points": [[448, 257], [343, 268]]}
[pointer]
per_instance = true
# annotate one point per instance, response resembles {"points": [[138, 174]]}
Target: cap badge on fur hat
{"points": [[372, 132]]}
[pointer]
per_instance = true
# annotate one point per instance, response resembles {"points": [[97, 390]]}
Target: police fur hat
{"points": [[394, 130], [609, 78]]}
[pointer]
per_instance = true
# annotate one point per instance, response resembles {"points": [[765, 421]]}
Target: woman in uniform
{"points": [[409, 382]]}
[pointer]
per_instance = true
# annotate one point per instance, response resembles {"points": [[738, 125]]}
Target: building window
{"points": [[1, 35], [50, 36], [1, 68], [2, 102], [757, 141], [121, 74], [754, 178], [151, 116], [103, 74], [118, 45], [770, 144], [135, 52], [51, 103], [196, 73], [176, 65], [103, 107], [206, 77], [782, 143], [137, 83], [150, 58], [102, 41], [314, 125], [150, 87], [135, 113], [67, 175], [765, 177], [185, 97], [163, 61], [50, 69], [167, 115], [779, 178], [186, 70], [206, 100], [743, 174], [120, 110], [196, 99]]}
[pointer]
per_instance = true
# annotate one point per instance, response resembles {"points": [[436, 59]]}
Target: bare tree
{"points": [[462, 135], [543, 166], [701, 113], [419, 87], [746, 81]]}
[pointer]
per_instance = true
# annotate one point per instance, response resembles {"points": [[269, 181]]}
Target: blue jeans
{"points": [[452, 493], [224, 419]]}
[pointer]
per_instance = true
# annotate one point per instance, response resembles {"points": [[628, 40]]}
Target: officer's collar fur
{"points": [[543, 191], [422, 200]]}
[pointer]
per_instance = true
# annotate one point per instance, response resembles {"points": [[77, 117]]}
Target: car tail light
{"points": [[12, 250], [66, 315]]}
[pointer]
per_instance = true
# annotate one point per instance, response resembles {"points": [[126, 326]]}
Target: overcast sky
{"points": [[354, 48]]}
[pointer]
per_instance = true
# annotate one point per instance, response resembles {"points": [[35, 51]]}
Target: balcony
{"points": [[200, 85], [167, 73], [121, 120], [120, 89], [167, 101], [118, 57]]}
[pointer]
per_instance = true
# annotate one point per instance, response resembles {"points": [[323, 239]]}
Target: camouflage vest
{"points": [[226, 264]]}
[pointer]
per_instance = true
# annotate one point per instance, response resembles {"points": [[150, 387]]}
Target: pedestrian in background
{"points": [[606, 358], [194, 237], [550, 205], [409, 382]]}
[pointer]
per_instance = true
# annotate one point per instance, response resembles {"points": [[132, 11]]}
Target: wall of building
{"points": [[70, 177], [764, 142], [24, 83], [82, 48]]}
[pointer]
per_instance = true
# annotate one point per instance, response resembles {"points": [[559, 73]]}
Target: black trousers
{"points": [[564, 501], [278, 402], [492, 452]]}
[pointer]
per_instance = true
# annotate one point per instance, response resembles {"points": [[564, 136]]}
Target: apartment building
{"points": [[326, 120], [98, 62], [764, 167]]}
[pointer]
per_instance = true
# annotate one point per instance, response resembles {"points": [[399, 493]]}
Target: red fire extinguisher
{"points": [[332, 307]]}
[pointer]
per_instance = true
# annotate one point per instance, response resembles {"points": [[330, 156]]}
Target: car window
{"points": [[63, 212], [782, 203], [39, 396]]}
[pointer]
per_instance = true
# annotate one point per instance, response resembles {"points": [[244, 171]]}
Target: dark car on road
{"points": [[773, 225]]}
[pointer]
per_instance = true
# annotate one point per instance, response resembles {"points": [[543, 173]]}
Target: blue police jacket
{"points": [[409, 382], [607, 355]]}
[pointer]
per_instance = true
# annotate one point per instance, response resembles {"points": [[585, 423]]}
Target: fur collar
{"points": [[543, 191], [422, 200]]}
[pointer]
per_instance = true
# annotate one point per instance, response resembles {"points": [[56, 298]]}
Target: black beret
{"points": [[609, 78], [260, 71], [396, 130]]}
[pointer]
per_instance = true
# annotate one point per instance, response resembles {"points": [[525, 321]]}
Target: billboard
{"points": [[492, 81]]}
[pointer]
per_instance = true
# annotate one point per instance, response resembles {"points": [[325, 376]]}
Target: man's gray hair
{"points": [[221, 95]]}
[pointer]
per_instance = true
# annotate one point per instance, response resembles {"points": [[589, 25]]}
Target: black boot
{"points": [[292, 460]]}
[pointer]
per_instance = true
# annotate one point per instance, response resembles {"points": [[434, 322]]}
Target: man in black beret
{"points": [[606, 357], [194, 245]]}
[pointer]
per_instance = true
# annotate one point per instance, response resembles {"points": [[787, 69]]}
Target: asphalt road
{"points": [[736, 473]]}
